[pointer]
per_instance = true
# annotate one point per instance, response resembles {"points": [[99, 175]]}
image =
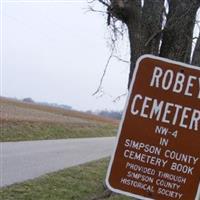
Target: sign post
{"points": [[157, 155]]}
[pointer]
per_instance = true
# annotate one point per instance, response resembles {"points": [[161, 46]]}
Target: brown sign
{"points": [[157, 155]]}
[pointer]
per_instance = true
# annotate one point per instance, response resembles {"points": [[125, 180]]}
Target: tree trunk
{"points": [[178, 32], [196, 55], [141, 28], [147, 33]]}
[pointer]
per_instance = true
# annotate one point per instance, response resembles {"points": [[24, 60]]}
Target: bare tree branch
{"points": [[159, 27], [119, 97], [104, 3], [91, 9], [92, 1], [120, 59], [104, 72]]}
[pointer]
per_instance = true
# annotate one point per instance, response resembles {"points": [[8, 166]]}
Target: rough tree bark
{"points": [[196, 56], [178, 32], [153, 30], [145, 31]]}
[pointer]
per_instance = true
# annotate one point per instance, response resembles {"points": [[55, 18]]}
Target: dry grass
{"points": [[13, 109], [29, 121]]}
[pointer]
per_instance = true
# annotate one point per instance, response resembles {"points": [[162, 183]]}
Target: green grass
{"points": [[21, 121], [22, 130], [84, 182]]}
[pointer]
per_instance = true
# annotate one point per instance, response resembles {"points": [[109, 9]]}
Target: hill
{"points": [[31, 121]]}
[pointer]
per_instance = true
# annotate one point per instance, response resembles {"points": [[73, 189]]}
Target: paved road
{"points": [[21, 161]]}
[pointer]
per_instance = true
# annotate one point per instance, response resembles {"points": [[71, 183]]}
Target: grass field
{"points": [[29, 121], [84, 182]]}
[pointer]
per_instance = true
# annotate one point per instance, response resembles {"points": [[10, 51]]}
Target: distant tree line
{"points": [[30, 100], [108, 113], [111, 114], [104, 113]]}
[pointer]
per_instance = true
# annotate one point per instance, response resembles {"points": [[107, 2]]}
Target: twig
{"points": [[104, 3], [91, 9], [120, 59], [119, 97], [104, 72], [92, 1]]}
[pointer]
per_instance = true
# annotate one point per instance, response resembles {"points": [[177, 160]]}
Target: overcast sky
{"points": [[56, 52]]}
